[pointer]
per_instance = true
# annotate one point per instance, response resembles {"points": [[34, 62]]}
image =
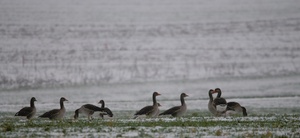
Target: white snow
{"points": [[122, 51]]}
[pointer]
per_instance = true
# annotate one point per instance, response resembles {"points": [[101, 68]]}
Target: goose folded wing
{"points": [[171, 111], [146, 110], [232, 105], [93, 107], [24, 111], [51, 113]]}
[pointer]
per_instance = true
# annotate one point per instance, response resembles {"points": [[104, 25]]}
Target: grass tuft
{"points": [[218, 133], [7, 127]]}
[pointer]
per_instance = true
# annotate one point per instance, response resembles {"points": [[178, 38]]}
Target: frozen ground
{"points": [[62, 43], [123, 51]]}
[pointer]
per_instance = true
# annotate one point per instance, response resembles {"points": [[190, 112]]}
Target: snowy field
{"points": [[122, 51]]}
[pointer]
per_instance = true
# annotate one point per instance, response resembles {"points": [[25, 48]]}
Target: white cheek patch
{"points": [[221, 107]]}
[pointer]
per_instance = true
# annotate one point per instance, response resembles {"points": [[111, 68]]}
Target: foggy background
{"points": [[122, 51]]}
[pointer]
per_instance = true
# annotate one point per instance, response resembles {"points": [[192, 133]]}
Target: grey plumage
{"points": [[107, 111], [150, 110], [177, 111], [29, 112], [211, 105], [232, 107], [56, 113], [89, 109]]}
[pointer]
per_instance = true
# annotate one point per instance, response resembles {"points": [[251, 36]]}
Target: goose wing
{"points": [[50, 113], [171, 111], [232, 105], [93, 107], [25, 111], [145, 111]]}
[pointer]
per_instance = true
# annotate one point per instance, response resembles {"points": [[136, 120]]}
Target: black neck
{"points": [[182, 100], [219, 94], [31, 103], [154, 99], [103, 105], [61, 104]]}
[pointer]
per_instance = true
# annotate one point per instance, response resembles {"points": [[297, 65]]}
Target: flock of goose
{"points": [[217, 106], [87, 109], [220, 107]]}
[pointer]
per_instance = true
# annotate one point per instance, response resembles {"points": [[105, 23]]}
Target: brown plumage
{"points": [[29, 112], [56, 113]]}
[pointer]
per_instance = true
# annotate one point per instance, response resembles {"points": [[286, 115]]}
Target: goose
{"points": [[29, 112], [211, 105], [107, 111], [89, 109], [56, 113], [150, 110], [157, 113], [177, 111], [220, 103], [232, 107], [236, 108]]}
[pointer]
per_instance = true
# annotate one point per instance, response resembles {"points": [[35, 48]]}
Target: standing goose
{"points": [[107, 111], [211, 105], [233, 106], [56, 113], [29, 112], [150, 110], [177, 111]]}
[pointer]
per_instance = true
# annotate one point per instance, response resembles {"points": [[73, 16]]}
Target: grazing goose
{"points": [[177, 111], [56, 113], [29, 112], [151, 110], [89, 109], [232, 107], [107, 111]]}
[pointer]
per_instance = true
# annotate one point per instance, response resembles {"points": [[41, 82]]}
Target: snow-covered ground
{"points": [[122, 51]]}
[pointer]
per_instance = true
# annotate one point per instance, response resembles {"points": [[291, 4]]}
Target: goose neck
{"points": [[182, 100], [32, 103]]}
